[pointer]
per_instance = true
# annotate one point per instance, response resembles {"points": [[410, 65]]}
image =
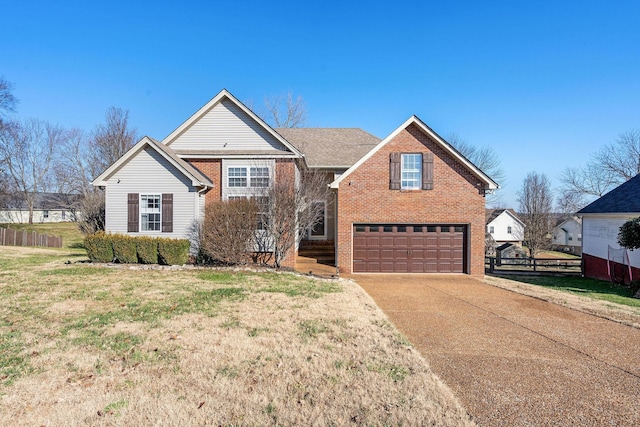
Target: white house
{"points": [[47, 207], [567, 235], [504, 226], [601, 222]]}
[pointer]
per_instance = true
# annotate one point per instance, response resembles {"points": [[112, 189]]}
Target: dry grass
{"points": [[627, 315], [87, 345]]}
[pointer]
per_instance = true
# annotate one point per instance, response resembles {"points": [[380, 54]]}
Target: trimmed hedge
{"points": [[99, 247], [102, 247], [173, 251], [124, 249], [147, 248]]}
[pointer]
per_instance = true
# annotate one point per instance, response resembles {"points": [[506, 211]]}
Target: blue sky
{"points": [[546, 83]]}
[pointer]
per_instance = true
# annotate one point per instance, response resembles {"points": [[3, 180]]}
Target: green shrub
{"points": [[124, 249], [147, 248], [173, 251], [99, 247]]}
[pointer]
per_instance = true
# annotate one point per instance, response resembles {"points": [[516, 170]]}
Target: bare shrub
{"points": [[228, 230], [92, 213]]}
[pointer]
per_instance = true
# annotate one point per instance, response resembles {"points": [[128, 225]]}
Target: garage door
{"points": [[409, 248]]}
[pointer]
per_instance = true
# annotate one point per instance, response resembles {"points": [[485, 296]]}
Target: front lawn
{"points": [[82, 344], [596, 289]]}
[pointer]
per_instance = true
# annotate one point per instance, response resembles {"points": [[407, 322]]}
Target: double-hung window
{"points": [[150, 212], [237, 177], [411, 171], [259, 177]]}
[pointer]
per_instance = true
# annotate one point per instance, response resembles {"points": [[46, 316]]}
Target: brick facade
{"points": [[364, 197], [212, 169]]}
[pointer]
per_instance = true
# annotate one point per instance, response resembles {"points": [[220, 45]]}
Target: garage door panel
{"points": [[409, 248]]}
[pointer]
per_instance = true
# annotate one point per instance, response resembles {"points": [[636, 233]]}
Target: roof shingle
{"points": [[623, 199], [330, 147]]}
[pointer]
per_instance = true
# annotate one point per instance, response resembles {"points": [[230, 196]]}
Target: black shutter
{"points": [[167, 213], [394, 171], [133, 212], [427, 171]]}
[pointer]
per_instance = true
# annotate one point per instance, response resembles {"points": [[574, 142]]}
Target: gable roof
{"points": [[330, 147], [562, 221], [222, 95], [197, 178], [492, 214], [489, 183], [623, 199]]}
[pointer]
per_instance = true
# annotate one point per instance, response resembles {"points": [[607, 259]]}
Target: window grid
{"points": [[150, 212], [411, 174], [237, 177], [259, 177]]}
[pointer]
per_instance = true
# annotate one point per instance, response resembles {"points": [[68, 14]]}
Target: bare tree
{"points": [[285, 111], [485, 158], [7, 100], [291, 208], [27, 150], [76, 165], [536, 202], [111, 139], [614, 164], [569, 202]]}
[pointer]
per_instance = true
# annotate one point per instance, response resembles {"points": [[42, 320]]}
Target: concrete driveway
{"points": [[514, 360]]}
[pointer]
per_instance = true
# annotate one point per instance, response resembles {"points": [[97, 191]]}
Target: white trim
{"points": [[490, 184], [212, 103], [140, 213]]}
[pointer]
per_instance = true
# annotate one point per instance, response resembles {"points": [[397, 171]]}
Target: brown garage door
{"points": [[409, 248]]}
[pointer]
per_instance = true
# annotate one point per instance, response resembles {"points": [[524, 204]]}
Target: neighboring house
{"points": [[601, 222], [567, 235], [504, 226], [47, 207], [408, 203]]}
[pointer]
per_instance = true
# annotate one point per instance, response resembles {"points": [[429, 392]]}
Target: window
{"points": [[64, 214], [150, 212], [411, 171], [509, 230], [263, 213], [237, 177], [258, 177], [570, 238], [45, 214], [491, 229]]}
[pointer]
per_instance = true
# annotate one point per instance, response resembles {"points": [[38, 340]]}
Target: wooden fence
{"points": [[533, 265], [11, 237]]}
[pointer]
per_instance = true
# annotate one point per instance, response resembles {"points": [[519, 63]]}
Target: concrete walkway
{"points": [[514, 360]]}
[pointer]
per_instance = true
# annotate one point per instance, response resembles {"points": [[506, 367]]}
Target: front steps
{"points": [[321, 250]]}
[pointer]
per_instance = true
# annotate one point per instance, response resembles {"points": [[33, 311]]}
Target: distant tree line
{"points": [[40, 157]]}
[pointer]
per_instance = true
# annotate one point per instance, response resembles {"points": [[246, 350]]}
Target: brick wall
{"points": [[364, 197], [212, 169]]}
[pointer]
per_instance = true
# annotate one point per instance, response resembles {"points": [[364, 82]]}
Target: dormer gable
{"points": [[224, 126]]}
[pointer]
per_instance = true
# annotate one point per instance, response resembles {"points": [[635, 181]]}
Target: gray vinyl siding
{"points": [[226, 124], [149, 173]]}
